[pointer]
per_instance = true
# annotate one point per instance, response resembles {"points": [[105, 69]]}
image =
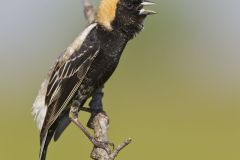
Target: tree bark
{"points": [[101, 120], [100, 125]]}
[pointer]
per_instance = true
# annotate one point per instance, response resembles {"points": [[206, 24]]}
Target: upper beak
{"points": [[144, 11], [147, 3]]}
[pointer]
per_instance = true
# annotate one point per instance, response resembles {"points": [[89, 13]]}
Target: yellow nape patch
{"points": [[106, 13]]}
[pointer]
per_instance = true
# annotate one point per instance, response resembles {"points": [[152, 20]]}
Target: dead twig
{"points": [[88, 11]]}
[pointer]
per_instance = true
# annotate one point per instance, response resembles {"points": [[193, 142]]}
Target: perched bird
{"points": [[81, 71]]}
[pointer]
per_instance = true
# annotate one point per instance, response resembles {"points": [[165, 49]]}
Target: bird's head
{"points": [[124, 15]]}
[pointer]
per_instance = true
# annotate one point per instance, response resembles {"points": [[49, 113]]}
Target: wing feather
{"points": [[64, 82]]}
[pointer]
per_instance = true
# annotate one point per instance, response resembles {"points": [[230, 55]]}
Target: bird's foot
{"points": [[93, 115], [85, 109], [73, 114]]}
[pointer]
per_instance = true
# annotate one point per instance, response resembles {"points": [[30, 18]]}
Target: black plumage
{"points": [[79, 74]]}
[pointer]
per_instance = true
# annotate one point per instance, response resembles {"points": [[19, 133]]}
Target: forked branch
{"points": [[100, 125]]}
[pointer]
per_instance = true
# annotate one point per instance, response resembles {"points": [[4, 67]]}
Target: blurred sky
{"points": [[175, 92]]}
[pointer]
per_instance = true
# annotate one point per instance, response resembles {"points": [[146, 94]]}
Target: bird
{"points": [[81, 71]]}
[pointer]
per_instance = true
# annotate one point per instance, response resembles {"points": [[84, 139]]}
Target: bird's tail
{"points": [[45, 140]]}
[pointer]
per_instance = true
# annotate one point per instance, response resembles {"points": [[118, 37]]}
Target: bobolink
{"points": [[81, 71]]}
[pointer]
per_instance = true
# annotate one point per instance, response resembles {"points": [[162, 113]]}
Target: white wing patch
{"points": [[39, 108]]}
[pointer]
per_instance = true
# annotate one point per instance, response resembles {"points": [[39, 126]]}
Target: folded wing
{"points": [[64, 82]]}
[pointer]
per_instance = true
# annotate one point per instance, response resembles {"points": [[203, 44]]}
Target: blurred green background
{"points": [[175, 92]]}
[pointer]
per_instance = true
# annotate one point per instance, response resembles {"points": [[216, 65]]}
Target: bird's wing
{"points": [[64, 81]]}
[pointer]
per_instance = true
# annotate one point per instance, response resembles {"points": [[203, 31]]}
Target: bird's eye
{"points": [[130, 6]]}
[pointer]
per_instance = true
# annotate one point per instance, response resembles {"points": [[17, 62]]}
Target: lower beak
{"points": [[144, 11]]}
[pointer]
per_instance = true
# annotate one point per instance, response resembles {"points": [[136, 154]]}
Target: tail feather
{"points": [[45, 140], [62, 125]]}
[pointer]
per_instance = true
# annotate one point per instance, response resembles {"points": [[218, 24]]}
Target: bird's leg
{"points": [[95, 105], [85, 109], [74, 118]]}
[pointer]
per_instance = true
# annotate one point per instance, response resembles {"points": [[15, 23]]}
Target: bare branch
{"points": [[100, 125], [114, 154], [88, 11]]}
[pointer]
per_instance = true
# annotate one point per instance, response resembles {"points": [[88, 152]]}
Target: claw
{"points": [[112, 145], [103, 145]]}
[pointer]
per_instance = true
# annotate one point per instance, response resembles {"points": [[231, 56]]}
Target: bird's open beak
{"points": [[145, 11]]}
